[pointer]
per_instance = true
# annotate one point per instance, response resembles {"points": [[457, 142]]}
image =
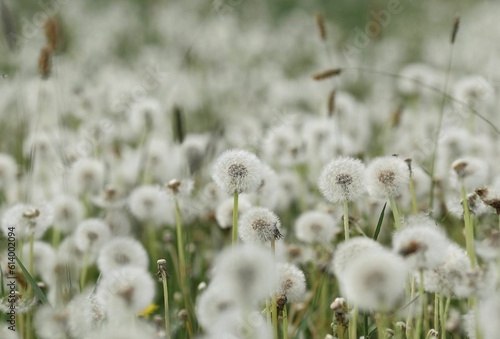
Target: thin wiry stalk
{"points": [[469, 231], [395, 213], [235, 219], [346, 219]]}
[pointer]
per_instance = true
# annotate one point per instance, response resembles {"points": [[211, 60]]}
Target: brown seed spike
{"points": [[51, 33], [331, 102], [327, 74], [456, 25], [320, 22], [45, 62]]}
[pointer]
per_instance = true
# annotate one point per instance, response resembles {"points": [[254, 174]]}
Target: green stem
{"points": [[182, 266], [274, 316], [423, 301], [151, 242], [395, 213], [235, 218], [165, 297], [382, 324], [353, 324], [285, 323], [469, 231], [32, 254], [268, 312], [346, 219], [437, 309], [83, 275], [443, 315], [409, 319], [414, 205], [438, 130], [56, 237]]}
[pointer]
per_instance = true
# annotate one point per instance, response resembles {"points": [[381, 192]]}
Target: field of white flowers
{"points": [[249, 169]]}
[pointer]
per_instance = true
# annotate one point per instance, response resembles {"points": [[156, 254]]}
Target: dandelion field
{"points": [[237, 169]]}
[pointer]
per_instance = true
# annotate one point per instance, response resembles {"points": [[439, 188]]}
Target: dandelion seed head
{"points": [[291, 282], [8, 171], [421, 243], [237, 171], [91, 235], [87, 176], [489, 313], [259, 225], [374, 280], [148, 203], [315, 227], [129, 288], [27, 220], [68, 212], [349, 250], [247, 271], [387, 177], [120, 252], [342, 179]]}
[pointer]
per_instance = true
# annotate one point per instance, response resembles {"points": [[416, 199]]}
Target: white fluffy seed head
{"points": [[489, 313], [148, 203], [375, 280], [315, 227], [224, 212], [87, 176], [128, 289], [259, 225], [213, 304], [68, 212], [387, 177], [421, 243], [449, 278], [349, 250], [473, 172], [91, 235], [247, 272], [26, 220], [122, 252], [237, 171], [8, 170], [291, 282], [343, 179]]}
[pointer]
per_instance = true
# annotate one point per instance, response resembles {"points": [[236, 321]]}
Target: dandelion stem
{"points": [[151, 241], [235, 219], [56, 237], [285, 323], [395, 213], [469, 231], [437, 309], [340, 331], [414, 205], [423, 302], [409, 319], [438, 128], [32, 254], [163, 272], [382, 324], [353, 324], [275, 317], [182, 265], [268, 312], [83, 275], [346, 219]]}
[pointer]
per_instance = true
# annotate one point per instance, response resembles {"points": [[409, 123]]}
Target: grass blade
{"points": [[379, 224], [33, 284]]}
